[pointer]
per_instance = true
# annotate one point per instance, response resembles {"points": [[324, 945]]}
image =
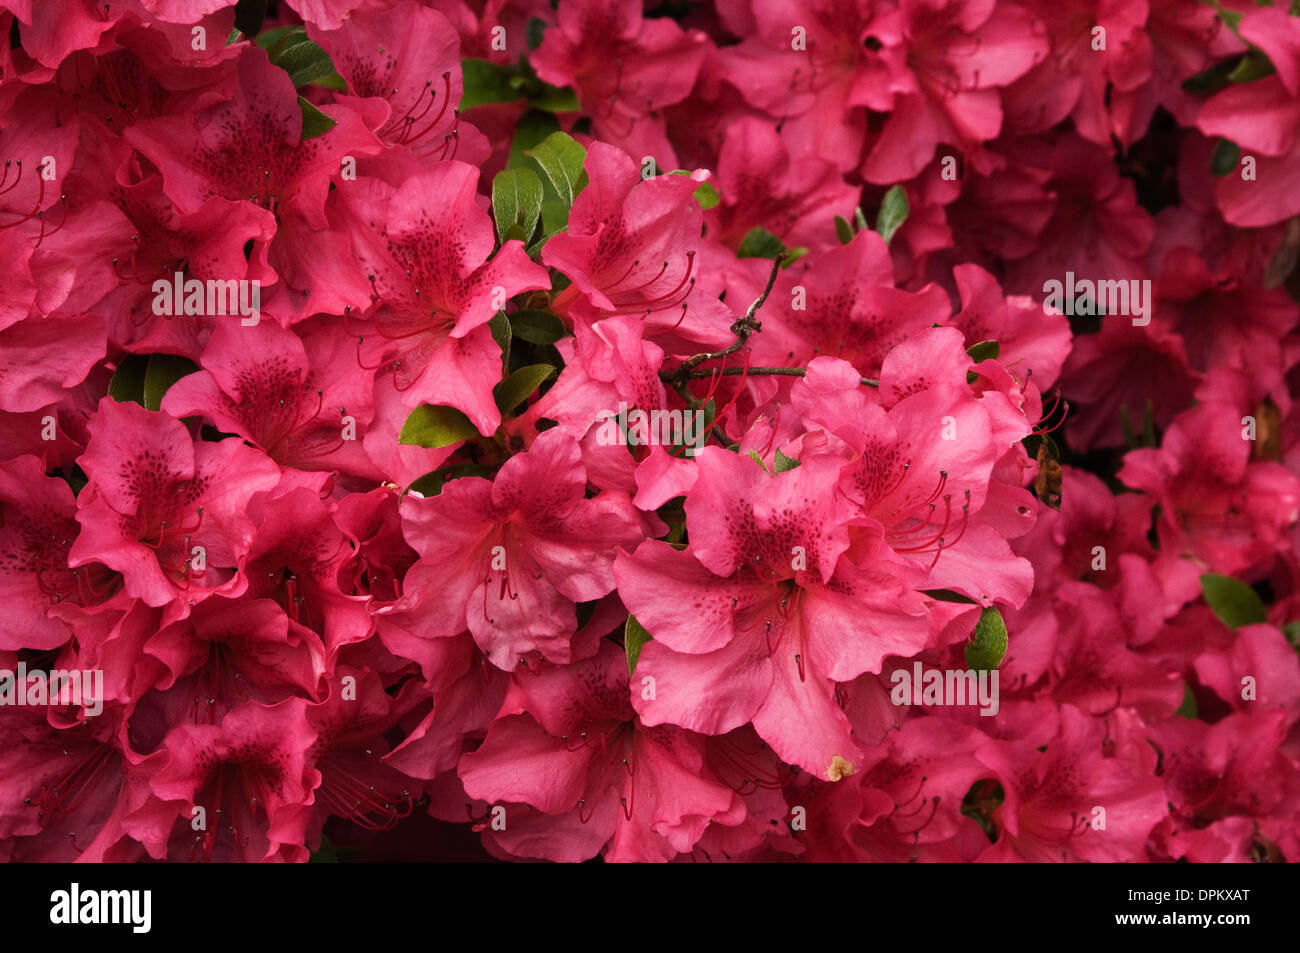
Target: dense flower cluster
{"points": [[503, 417]]}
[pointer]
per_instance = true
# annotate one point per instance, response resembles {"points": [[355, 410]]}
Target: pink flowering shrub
{"points": [[766, 430]]}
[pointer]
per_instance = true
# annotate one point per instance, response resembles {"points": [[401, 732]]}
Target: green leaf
{"points": [[753, 455], [760, 243], [532, 128], [843, 230], [486, 82], [433, 426], [162, 371], [1126, 424], [989, 643], [1225, 157], [1292, 632], [1254, 65], [537, 327], [947, 595], [503, 335], [707, 196], [1188, 707], [1148, 424], [561, 158], [555, 218], [307, 63], [893, 213], [510, 393], [277, 38], [289, 48], [431, 484], [314, 122], [329, 854], [1210, 80], [516, 200], [533, 32], [554, 99], [859, 220], [784, 463], [983, 351], [249, 15], [326, 854], [127, 383], [1234, 602], [634, 637]]}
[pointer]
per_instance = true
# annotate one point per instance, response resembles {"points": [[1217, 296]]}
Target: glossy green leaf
{"points": [[486, 82], [561, 158], [760, 243], [516, 200], [314, 122], [504, 336], [947, 595], [988, 646], [512, 391], [634, 637], [893, 213], [127, 383], [1224, 158], [1234, 602], [161, 372], [707, 196], [433, 426], [843, 230], [983, 351], [537, 327]]}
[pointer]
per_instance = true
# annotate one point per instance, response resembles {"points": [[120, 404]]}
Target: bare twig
{"points": [[742, 329], [702, 372], [689, 369]]}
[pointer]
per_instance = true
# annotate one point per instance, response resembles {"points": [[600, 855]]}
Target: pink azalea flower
{"points": [[355, 781], [38, 529], [424, 247], [251, 777], [1232, 769], [62, 794], [774, 617], [633, 247], [407, 57], [843, 304], [155, 496], [226, 654], [1051, 797], [514, 554], [624, 68], [249, 148], [290, 395], [1216, 504], [761, 186], [299, 558], [643, 793], [1263, 119]]}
